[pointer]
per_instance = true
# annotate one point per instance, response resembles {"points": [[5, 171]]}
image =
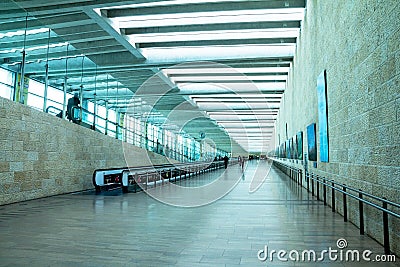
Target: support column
{"points": [[106, 126], [65, 85], [22, 69], [94, 110], [22, 79], [65, 97], [46, 76], [117, 118], [81, 101]]}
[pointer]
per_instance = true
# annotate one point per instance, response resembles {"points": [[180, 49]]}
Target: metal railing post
{"points": [[136, 179], [344, 203], [312, 185], [301, 177], [324, 188], [333, 197], [386, 244], [361, 209], [317, 188]]}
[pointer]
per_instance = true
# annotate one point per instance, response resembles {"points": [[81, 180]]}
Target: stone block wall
{"points": [[42, 155], [358, 44]]}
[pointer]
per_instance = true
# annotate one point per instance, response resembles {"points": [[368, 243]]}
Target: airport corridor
{"points": [[115, 229]]}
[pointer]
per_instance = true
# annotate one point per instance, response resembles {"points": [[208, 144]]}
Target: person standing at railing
{"points": [[72, 102]]}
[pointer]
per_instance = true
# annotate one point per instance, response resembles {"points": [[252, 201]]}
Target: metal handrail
{"points": [[52, 107], [123, 128], [397, 205], [335, 187], [99, 174], [89, 113]]}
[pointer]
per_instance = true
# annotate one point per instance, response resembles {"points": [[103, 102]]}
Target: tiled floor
{"points": [[135, 230]]}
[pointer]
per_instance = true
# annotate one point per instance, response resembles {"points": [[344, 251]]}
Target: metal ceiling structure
{"points": [[217, 67]]}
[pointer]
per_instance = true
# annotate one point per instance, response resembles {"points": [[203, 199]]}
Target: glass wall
{"points": [[131, 129], [35, 56], [6, 83]]}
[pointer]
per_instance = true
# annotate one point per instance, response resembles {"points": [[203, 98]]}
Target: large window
{"points": [[6, 83], [129, 132], [136, 131], [111, 125], [89, 105], [101, 123], [35, 94]]}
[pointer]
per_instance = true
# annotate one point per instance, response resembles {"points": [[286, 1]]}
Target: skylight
{"points": [[238, 71], [255, 39], [228, 78], [22, 32], [213, 35], [229, 87], [201, 53]]}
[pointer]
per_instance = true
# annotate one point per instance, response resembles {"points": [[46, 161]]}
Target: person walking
{"points": [[242, 163], [226, 159]]}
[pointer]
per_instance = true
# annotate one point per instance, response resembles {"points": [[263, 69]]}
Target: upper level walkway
{"points": [[115, 229]]}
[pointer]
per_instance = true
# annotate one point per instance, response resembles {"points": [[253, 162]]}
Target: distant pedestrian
{"points": [[226, 159], [242, 163]]}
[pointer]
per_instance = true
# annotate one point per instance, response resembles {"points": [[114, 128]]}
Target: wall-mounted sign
{"points": [[322, 117], [311, 142]]}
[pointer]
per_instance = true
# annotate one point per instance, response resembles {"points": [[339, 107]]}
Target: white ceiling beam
{"points": [[134, 29], [203, 7]]}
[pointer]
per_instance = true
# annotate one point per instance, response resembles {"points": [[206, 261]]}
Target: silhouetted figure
{"points": [[226, 159], [241, 162], [72, 102]]}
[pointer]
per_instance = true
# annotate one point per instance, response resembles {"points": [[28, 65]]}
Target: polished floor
{"points": [[114, 229]]}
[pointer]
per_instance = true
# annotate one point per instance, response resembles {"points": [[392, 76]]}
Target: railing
{"points": [[145, 176], [53, 110], [122, 132], [127, 135], [295, 174], [346, 191]]}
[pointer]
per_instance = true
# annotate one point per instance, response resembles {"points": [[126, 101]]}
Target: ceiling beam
{"points": [[42, 55], [213, 27], [229, 42], [232, 73], [203, 7], [54, 21], [39, 7], [223, 101], [116, 67], [247, 81], [86, 38]]}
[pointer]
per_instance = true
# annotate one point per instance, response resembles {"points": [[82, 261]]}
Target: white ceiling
{"points": [[213, 66]]}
